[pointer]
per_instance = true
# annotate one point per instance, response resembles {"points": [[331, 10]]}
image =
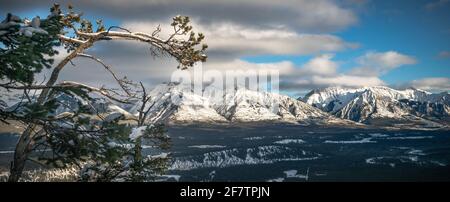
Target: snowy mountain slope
{"points": [[246, 105], [374, 103], [68, 104], [177, 103], [172, 102]]}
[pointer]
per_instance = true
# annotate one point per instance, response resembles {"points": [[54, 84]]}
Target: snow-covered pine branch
{"points": [[60, 116]]}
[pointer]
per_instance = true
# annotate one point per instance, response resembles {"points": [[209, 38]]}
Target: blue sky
{"points": [[403, 25], [313, 44], [408, 27]]}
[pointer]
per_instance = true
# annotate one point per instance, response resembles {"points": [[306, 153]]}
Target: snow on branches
{"points": [[59, 115]]}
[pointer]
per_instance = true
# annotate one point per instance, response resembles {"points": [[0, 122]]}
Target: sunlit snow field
{"points": [[299, 153]]}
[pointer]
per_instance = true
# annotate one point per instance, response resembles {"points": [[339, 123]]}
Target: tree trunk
{"points": [[23, 148], [26, 143], [138, 154]]}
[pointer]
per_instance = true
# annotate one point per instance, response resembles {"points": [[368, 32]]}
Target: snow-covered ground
{"points": [[288, 152]]}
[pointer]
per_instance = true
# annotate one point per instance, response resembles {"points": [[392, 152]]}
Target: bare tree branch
{"points": [[112, 27], [70, 84], [108, 68], [70, 40]]}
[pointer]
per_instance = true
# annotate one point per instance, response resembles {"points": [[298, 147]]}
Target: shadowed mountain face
{"points": [[375, 104]]}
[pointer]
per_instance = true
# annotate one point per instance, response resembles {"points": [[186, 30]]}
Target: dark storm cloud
{"points": [[233, 29], [300, 15]]}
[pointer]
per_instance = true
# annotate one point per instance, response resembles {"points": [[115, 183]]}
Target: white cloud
{"points": [[233, 29], [444, 54], [229, 40], [376, 63], [300, 15], [320, 71], [321, 65], [432, 84], [436, 4], [347, 81], [390, 59], [126, 58], [283, 67]]}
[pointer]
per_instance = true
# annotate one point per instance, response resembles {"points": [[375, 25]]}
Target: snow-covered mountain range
{"points": [[178, 103], [379, 105]]}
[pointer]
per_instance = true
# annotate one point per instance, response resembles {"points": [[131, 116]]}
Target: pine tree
{"points": [[104, 148]]}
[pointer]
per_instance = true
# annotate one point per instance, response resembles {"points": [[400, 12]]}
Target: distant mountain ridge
{"points": [[378, 106], [372, 105], [177, 103]]}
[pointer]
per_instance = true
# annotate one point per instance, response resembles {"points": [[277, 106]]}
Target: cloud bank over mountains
{"points": [[238, 29]]}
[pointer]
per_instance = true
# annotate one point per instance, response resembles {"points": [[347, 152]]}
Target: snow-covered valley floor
{"points": [[283, 152]]}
